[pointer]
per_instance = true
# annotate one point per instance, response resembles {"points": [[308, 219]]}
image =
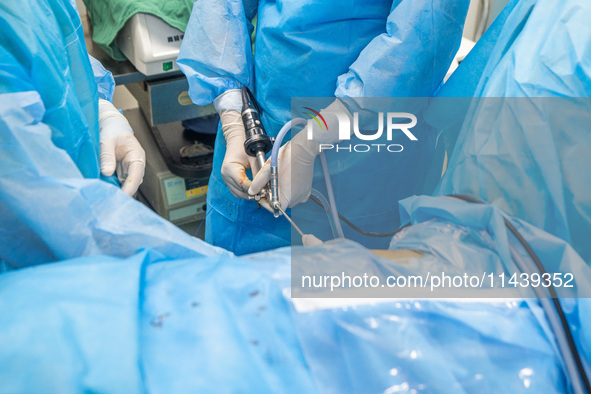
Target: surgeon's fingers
{"points": [[135, 177], [132, 163], [260, 180], [235, 177], [245, 185], [236, 190], [282, 202], [253, 163], [107, 157], [265, 204]]}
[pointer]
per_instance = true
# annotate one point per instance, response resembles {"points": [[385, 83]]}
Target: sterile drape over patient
{"points": [[222, 323]]}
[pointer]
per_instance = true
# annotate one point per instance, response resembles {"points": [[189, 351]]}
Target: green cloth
{"points": [[109, 16]]}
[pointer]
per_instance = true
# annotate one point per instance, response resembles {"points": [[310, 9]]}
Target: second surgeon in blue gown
{"points": [[375, 48]]}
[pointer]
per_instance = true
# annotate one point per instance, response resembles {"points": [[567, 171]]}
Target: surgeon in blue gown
{"points": [[57, 125], [50, 63], [376, 48]]}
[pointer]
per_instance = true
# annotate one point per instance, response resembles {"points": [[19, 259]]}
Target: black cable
{"points": [[555, 299], [354, 227]]}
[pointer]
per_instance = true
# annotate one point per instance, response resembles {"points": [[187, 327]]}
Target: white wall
{"points": [[475, 12], [81, 7], [123, 100], [473, 19]]}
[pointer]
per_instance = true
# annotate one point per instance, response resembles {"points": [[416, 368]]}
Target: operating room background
{"points": [[480, 15], [124, 100]]}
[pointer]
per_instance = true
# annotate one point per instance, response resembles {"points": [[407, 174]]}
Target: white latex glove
{"points": [[296, 160], [296, 172], [119, 149], [236, 161]]}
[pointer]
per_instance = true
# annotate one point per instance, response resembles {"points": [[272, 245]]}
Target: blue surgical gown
{"points": [[372, 48]]}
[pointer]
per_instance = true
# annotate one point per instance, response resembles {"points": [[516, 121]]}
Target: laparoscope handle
{"points": [[257, 142]]}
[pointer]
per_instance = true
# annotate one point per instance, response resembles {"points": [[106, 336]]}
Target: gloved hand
{"points": [[296, 171], [296, 160], [119, 149], [236, 161]]}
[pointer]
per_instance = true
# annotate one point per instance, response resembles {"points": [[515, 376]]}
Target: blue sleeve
{"points": [[216, 54], [412, 57], [104, 80]]}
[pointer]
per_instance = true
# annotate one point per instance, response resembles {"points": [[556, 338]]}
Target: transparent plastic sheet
{"points": [[227, 323]]}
